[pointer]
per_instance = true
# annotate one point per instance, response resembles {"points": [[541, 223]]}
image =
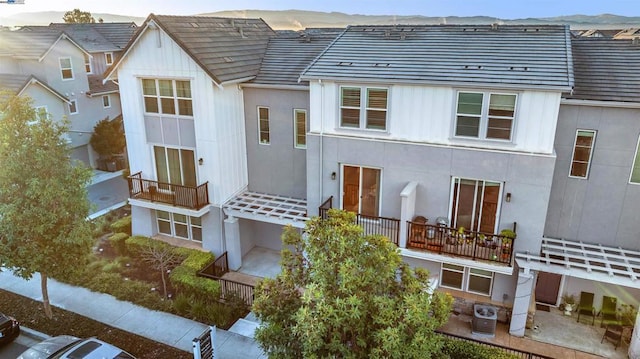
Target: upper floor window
{"points": [[106, 101], [582, 153], [369, 114], [108, 58], [66, 68], [41, 114], [87, 64], [635, 170], [485, 115], [263, 125], [73, 107], [167, 97], [300, 128]]}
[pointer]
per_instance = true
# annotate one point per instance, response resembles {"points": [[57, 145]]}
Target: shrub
{"points": [[123, 225], [185, 279], [112, 267], [462, 349], [117, 242]]}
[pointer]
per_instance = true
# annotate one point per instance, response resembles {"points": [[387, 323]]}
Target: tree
{"points": [[108, 137], [343, 294], [43, 196], [76, 16], [161, 257]]}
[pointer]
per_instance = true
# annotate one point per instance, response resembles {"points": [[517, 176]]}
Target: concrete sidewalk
{"points": [[158, 326]]}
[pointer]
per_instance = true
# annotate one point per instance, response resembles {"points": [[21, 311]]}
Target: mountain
{"points": [[299, 19]]}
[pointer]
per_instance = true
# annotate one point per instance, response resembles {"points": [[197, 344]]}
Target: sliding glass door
{"points": [[175, 166], [361, 190], [474, 204]]}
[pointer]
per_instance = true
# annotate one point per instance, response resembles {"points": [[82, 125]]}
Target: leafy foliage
{"points": [[76, 16], [43, 196], [108, 138], [343, 294], [463, 349], [122, 225]]}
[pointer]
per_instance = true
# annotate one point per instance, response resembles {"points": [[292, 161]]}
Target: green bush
{"points": [[185, 279], [463, 349], [207, 311], [117, 242], [123, 225]]}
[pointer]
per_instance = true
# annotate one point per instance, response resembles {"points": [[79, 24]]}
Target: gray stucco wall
{"points": [[277, 168], [527, 177], [604, 207]]}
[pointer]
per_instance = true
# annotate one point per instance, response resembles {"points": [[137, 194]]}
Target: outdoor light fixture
{"points": [[333, 176], [200, 161], [508, 199]]}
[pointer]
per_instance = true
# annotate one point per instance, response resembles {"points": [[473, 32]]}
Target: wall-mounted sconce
{"points": [[508, 199], [200, 161], [333, 176]]}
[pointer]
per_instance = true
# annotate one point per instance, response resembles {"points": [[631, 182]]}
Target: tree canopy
{"points": [[108, 137], [43, 196], [76, 16], [343, 294]]}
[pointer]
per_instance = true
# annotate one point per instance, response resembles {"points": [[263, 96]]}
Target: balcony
{"points": [[167, 193], [460, 243]]}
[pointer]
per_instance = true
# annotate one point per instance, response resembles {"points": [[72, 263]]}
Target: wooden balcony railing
{"points": [[469, 244], [175, 195], [228, 288], [388, 227]]}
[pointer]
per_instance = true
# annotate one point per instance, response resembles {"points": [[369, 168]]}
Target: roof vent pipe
{"points": [[636, 41], [494, 26]]}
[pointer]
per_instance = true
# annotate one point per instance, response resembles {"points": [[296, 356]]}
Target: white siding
{"points": [[427, 114], [218, 115]]}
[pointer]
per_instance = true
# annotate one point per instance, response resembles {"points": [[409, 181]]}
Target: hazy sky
{"points": [[505, 9]]}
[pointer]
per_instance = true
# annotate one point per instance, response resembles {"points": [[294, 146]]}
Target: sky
{"points": [[504, 9]]}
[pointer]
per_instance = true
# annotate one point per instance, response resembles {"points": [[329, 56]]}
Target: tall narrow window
{"points": [[369, 114], [300, 128], [167, 97], [582, 152], [263, 125], [66, 69], [73, 107], [635, 169], [106, 101], [87, 64], [377, 109], [469, 114], [500, 117], [108, 58]]}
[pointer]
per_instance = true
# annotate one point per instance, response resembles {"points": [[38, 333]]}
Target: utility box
{"points": [[484, 320]]}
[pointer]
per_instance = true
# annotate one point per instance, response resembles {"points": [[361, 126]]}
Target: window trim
{"points": [[469, 275], [62, 69], [360, 188], [172, 223], [108, 104], [442, 268], [634, 164], [181, 164], [261, 141], [296, 133], [363, 123], [73, 103], [87, 63], [477, 216], [106, 58], [483, 124], [573, 153], [158, 98]]}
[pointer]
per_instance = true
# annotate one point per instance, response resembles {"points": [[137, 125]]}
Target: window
{"points": [[635, 169], [41, 113], [370, 114], [87, 64], [167, 96], [106, 101], [480, 281], [485, 115], [582, 152], [108, 58], [263, 125], [175, 166], [474, 204], [66, 69], [300, 128], [73, 107], [451, 276], [361, 190], [179, 225]]}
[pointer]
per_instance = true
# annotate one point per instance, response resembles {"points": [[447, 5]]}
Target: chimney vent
{"points": [[636, 41], [494, 26]]}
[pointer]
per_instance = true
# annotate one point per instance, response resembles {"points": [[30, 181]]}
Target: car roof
{"points": [[93, 348], [48, 347]]}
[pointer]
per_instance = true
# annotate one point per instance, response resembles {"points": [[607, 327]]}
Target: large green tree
{"points": [[76, 16], [43, 196], [342, 294]]}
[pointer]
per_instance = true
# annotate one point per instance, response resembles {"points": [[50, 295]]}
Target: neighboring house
{"points": [[628, 34], [601, 33]]}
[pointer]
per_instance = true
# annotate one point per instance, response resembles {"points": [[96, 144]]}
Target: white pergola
{"points": [[588, 261], [268, 208]]}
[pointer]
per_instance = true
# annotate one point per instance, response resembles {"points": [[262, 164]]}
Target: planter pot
{"points": [[568, 308]]}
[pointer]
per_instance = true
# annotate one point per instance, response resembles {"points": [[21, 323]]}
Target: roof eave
{"points": [[34, 80]]}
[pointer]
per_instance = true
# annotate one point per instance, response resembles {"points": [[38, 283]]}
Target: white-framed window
{"points": [[582, 153], [634, 177], [87, 64], [179, 225], [167, 97], [299, 128], [73, 107], [108, 58], [175, 166], [363, 107], [451, 276], [66, 68], [106, 101], [479, 281], [485, 115], [263, 126], [41, 112]]}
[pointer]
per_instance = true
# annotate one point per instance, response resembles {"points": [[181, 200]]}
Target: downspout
{"points": [[321, 177]]}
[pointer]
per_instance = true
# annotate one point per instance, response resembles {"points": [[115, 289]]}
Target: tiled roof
{"points": [[100, 37], [28, 44], [628, 34], [291, 52], [97, 87], [228, 49], [607, 70], [16, 83], [501, 56]]}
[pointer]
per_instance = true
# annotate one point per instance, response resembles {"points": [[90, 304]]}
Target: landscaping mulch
{"points": [[30, 313]]}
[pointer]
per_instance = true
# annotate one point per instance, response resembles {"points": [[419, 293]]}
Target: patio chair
{"points": [[585, 306], [418, 233], [613, 333], [608, 311]]}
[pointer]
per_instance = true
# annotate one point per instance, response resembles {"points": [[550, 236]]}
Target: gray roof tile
{"points": [[100, 37], [506, 56], [28, 44]]}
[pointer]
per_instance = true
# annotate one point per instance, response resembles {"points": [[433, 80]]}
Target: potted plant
{"points": [[568, 301], [108, 141], [627, 314], [461, 235], [507, 242]]}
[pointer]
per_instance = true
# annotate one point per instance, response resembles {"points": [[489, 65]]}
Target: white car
{"points": [[69, 347]]}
